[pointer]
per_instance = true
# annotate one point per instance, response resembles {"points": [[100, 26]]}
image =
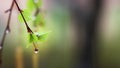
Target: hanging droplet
{"points": [[36, 51], [7, 31], [0, 47]]}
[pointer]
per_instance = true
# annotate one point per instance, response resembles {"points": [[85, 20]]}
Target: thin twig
{"points": [[7, 29], [36, 48], [28, 28]]}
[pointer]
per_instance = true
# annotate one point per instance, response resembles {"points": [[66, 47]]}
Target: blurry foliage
{"points": [[42, 36], [33, 4], [34, 15], [39, 20], [37, 36], [32, 38], [27, 16]]}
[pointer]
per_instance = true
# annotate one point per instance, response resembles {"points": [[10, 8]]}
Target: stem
{"points": [[7, 29], [36, 49], [10, 15], [28, 28]]}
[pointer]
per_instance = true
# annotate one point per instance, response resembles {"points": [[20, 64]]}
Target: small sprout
{"points": [[32, 38], [42, 36], [7, 10], [36, 51], [26, 14], [39, 21]]}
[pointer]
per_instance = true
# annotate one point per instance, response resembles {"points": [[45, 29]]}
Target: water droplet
{"points": [[0, 47], [7, 31], [36, 51]]}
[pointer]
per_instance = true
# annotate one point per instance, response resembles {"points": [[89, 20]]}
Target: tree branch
{"points": [[28, 28], [7, 29]]}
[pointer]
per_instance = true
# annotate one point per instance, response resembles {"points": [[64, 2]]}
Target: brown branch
{"points": [[28, 28], [7, 29]]}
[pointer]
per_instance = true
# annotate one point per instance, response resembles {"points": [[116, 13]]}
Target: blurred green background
{"points": [[57, 51]]}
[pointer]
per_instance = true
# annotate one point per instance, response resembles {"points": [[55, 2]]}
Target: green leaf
{"points": [[38, 37], [33, 38], [39, 3], [26, 15], [30, 5], [42, 36], [39, 20]]}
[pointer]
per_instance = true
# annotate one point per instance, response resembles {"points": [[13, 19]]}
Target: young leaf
{"points": [[42, 36], [39, 3], [33, 38], [27, 16], [39, 20], [30, 5]]}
